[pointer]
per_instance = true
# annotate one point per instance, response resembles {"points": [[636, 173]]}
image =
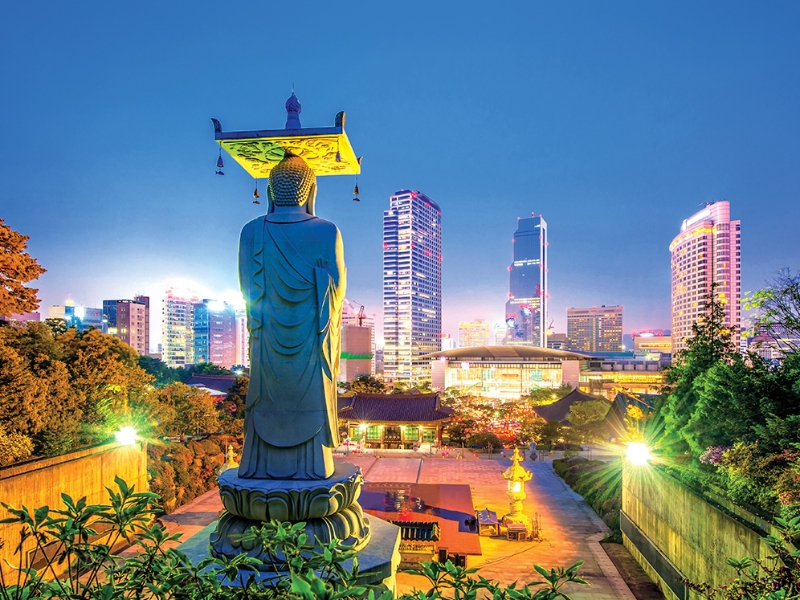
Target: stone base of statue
{"points": [[329, 507]]}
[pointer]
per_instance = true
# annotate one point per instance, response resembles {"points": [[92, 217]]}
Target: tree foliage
{"points": [[709, 345], [367, 384], [590, 411], [543, 396], [17, 268], [777, 309]]}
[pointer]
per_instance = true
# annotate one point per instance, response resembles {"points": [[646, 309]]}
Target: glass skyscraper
{"points": [[412, 286], [526, 309]]}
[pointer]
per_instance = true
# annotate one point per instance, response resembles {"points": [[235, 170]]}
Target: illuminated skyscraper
{"points": [[526, 309], [129, 320], [412, 286], [706, 251], [214, 332], [177, 327], [596, 329]]}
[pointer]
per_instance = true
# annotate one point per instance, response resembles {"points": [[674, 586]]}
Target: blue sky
{"points": [[613, 120]]}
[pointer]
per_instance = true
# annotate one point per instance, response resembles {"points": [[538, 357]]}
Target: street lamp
{"points": [[638, 454], [126, 436]]}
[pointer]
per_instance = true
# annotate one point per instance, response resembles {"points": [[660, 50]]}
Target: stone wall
{"points": [[82, 473], [676, 534]]}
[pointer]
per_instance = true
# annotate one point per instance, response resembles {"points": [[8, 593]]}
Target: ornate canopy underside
{"points": [[259, 151]]}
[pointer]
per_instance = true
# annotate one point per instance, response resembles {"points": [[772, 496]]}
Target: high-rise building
{"points": [[707, 251], [526, 308], [129, 320], [242, 354], [596, 329], [474, 333], [412, 286], [214, 333], [177, 327], [79, 317]]}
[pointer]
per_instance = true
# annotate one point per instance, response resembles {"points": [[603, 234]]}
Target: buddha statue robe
{"points": [[292, 275]]}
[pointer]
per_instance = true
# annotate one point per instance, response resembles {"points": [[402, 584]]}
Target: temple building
{"points": [[393, 420]]}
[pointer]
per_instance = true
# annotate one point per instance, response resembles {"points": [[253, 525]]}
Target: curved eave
{"points": [[507, 353]]}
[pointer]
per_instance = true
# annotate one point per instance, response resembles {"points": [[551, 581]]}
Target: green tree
{"points": [[542, 396], [57, 326], [367, 384], [550, 433], [778, 309], [192, 410], [17, 268], [590, 411], [710, 344], [161, 373], [205, 368]]}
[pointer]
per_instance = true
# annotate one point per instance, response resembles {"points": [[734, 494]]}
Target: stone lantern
{"points": [[516, 475]]}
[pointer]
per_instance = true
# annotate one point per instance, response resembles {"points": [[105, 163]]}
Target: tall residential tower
{"points": [[412, 286], [706, 251], [526, 309]]}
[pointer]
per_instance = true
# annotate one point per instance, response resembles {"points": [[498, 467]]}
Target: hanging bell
{"points": [[219, 162], [255, 193], [355, 190]]}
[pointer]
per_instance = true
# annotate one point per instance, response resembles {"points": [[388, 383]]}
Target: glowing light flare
{"points": [[638, 454], [126, 436]]}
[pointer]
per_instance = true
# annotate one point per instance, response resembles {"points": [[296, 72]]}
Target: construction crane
{"points": [[360, 314]]}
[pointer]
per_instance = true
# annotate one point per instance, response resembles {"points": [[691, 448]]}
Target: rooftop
{"points": [[393, 408], [505, 353]]}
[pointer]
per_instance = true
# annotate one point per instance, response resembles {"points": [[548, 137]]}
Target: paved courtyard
{"points": [[570, 530]]}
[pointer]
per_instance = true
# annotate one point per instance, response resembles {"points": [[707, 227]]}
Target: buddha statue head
{"points": [[292, 183]]}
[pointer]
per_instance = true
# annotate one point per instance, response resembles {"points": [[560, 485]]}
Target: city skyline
{"points": [[614, 140]]}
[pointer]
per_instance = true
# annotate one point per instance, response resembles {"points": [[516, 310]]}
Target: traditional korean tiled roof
{"points": [[393, 408], [559, 411], [221, 383]]}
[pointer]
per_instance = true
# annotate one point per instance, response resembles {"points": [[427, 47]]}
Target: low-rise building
{"points": [[504, 372]]}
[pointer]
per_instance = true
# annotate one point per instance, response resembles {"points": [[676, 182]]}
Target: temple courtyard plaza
{"points": [[570, 530]]}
